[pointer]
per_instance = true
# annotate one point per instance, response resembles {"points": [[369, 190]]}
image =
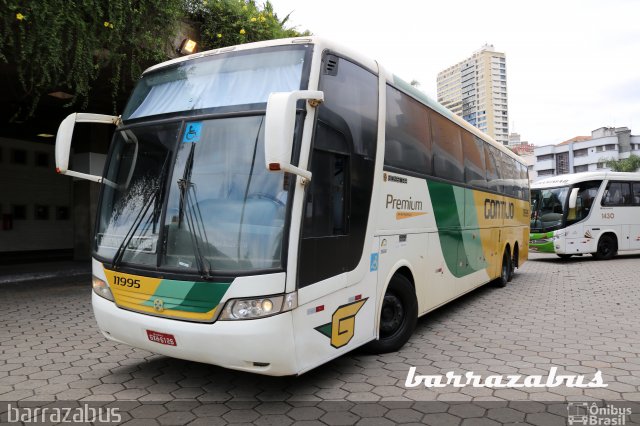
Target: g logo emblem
{"points": [[158, 305], [343, 324]]}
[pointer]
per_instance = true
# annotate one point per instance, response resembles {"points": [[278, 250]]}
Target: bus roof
{"points": [[327, 44], [573, 178]]}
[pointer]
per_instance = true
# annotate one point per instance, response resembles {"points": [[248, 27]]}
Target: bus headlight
{"points": [[101, 288], [259, 307]]}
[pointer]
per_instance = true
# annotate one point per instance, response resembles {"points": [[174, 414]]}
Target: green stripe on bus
{"points": [[189, 296], [462, 249]]}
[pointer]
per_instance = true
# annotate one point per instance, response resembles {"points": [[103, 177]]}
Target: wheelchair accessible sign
{"points": [[192, 132]]}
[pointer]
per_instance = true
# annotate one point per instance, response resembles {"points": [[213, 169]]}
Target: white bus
{"points": [[591, 212], [270, 206]]}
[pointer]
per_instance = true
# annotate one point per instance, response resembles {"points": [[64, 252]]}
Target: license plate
{"points": [[162, 338]]}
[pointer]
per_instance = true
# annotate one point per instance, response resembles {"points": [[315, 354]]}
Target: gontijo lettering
{"points": [[496, 209], [400, 204]]}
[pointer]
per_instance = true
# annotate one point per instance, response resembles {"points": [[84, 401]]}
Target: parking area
{"points": [[574, 317]]}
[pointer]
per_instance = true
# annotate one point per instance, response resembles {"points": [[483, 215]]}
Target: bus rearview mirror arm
{"points": [[279, 126], [63, 143], [573, 197]]}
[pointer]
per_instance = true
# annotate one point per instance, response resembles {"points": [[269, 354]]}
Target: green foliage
{"points": [[66, 44], [630, 164], [230, 22]]}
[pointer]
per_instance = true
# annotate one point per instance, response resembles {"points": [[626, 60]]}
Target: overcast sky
{"points": [[572, 66]]}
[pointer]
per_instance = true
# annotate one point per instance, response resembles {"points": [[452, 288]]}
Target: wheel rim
{"points": [[505, 268], [392, 315], [605, 247]]}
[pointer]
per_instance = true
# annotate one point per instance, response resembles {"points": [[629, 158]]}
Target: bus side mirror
{"points": [[573, 198], [63, 141], [279, 127]]}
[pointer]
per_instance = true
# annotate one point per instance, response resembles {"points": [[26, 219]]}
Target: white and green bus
{"points": [[270, 206], [590, 212]]}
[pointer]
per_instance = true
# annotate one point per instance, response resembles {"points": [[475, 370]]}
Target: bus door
{"points": [[336, 307], [578, 240]]}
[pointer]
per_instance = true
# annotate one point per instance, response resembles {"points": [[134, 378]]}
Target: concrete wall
{"points": [[34, 185]]}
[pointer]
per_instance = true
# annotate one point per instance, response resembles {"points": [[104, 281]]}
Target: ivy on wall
{"points": [[67, 44]]}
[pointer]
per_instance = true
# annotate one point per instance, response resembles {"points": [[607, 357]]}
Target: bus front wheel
{"points": [[398, 316], [607, 247]]}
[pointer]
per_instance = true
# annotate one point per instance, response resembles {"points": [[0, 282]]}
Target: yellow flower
{"points": [[106, 24], [245, 7], [242, 31], [262, 19], [111, 26], [19, 16], [219, 35], [253, 19]]}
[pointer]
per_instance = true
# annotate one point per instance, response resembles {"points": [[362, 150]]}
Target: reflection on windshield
{"points": [[548, 208], [130, 211], [225, 211]]}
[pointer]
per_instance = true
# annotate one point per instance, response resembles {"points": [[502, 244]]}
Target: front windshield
{"points": [[224, 212], [548, 208], [189, 193]]}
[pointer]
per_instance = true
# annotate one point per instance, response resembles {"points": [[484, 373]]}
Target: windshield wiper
{"points": [[190, 210], [117, 258]]}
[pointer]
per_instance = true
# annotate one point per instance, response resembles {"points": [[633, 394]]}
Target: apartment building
{"points": [[476, 90], [586, 153]]}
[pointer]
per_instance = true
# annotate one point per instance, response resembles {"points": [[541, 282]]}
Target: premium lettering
{"points": [[400, 204]]}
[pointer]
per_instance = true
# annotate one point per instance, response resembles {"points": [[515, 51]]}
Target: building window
{"points": [[611, 147], [19, 212], [42, 159], [18, 156], [580, 152], [62, 213], [578, 169], [548, 172], [562, 163], [601, 166], [41, 212], [544, 157]]}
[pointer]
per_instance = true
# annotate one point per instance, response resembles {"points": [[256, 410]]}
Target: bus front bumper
{"points": [[264, 346], [542, 243]]}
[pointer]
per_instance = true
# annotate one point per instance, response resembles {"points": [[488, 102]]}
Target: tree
{"points": [[62, 45], [65, 45], [631, 164], [230, 22]]}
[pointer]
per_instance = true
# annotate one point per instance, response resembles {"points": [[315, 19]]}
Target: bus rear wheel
{"points": [[398, 316], [607, 247], [506, 270]]}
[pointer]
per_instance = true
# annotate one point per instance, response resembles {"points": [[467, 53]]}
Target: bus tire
{"points": [[398, 316], [505, 269], [607, 247], [564, 256]]}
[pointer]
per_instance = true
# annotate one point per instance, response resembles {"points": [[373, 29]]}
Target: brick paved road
{"points": [[579, 315]]}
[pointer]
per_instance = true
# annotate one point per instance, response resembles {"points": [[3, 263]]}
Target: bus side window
{"points": [[326, 206], [474, 164], [447, 149], [636, 194], [617, 194], [491, 156]]}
